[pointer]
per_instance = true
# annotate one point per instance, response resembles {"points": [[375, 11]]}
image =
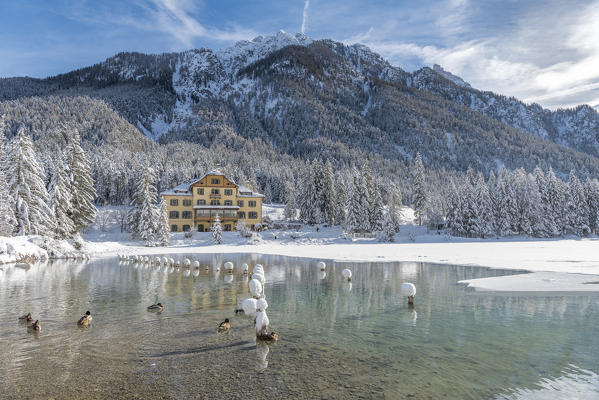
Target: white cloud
{"points": [[540, 61], [305, 15]]}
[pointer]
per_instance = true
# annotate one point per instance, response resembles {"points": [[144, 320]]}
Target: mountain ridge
{"points": [[298, 93]]}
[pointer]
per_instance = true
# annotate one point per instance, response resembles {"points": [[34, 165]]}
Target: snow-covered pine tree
{"points": [[419, 187], [328, 194], [357, 207], [217, 231], [341, 199], [482, 200], [83, 192], [549, 228], [26, 186], [143, 215], [387, 231], [576, 207], [290, 211], [394, 205], [373, 199], [7, 203], [162, 227], [556, 197], [592, 196], [309, 198], [60, 200]]}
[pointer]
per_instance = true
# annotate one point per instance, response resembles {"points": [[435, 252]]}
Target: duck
{"points": [[85, 320], [271, 337], [224, 326], [156, 307], [27, 317], [35, 327]]}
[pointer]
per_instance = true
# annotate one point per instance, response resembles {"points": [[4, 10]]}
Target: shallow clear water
{"points": [[336, 340]]}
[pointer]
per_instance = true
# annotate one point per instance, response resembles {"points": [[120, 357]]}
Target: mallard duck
{"points": [[85, 320], [26, 318], [35, 327], [269, 337], [224, 326], [156, 307]]}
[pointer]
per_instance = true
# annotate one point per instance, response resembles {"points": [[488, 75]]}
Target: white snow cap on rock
{"points": [[408, 289], [255, 287]]}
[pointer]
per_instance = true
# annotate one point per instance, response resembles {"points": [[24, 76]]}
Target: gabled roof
{"points": [[184, 189]]}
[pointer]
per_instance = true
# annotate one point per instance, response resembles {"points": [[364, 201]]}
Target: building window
{"points": [[201, 191], [214, 203], [187, 203], [203, 213], [173, 214], [253, 215], [215, 181], [186, 215], [201, 228], [239, 203], [251, 203], [201, 202], [228, 192], [215, 191], [174, 202], [227, 227], [241, 214], [173, 228], [186, 228], [228, 202]]}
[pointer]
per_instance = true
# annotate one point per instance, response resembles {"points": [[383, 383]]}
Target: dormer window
{"points": [[215, 181]]}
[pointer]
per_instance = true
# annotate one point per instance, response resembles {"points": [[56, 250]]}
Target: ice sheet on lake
{"points": [[537, 282]]}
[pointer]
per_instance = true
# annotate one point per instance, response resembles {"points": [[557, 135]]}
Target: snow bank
{"points": [[537, 282], [32, 248]]}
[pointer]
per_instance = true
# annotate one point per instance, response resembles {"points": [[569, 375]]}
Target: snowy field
{"points": [[412, 244]]}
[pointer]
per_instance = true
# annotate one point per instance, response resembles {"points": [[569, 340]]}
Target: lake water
{"points": [[336, 340]]}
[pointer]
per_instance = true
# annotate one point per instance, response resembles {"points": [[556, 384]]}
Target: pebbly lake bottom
{"points": [[337, 340]]}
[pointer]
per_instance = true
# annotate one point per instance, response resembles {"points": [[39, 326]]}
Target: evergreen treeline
{"points": [[518, 203]]}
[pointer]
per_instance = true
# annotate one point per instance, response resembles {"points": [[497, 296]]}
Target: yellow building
{"points": [[196, 204]]}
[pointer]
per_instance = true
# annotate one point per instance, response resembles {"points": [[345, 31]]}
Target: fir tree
{"points": [[60, 201], [7, 203], [341, 199], [290, 207], [83, 192], [26, 186], [309, 198], [357, 208], [420, 192], [217, 231], [592, 196], [328, 194], [577, 208], [143, 215], [162, 228], [387, 231]]}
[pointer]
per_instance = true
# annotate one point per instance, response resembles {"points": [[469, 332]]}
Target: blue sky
{"points": [[541, 51]]}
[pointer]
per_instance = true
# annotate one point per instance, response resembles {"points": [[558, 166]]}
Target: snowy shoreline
{"points": [[565, 255]]}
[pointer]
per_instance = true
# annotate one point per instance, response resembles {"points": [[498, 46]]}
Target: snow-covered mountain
{"points": [[321, 98]]}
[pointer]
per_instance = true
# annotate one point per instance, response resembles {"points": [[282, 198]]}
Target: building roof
{"points": [[183, 189]]}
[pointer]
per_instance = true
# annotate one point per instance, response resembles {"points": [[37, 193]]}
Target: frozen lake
{"points": [[336, 340]]}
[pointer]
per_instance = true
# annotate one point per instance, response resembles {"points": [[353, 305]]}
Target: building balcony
{"points": [[215, 196]]}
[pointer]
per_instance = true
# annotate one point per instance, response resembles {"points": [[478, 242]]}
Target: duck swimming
{"points": [[85, 320], [156, 307], [35, 327], [27, 317], [224, 326]]}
